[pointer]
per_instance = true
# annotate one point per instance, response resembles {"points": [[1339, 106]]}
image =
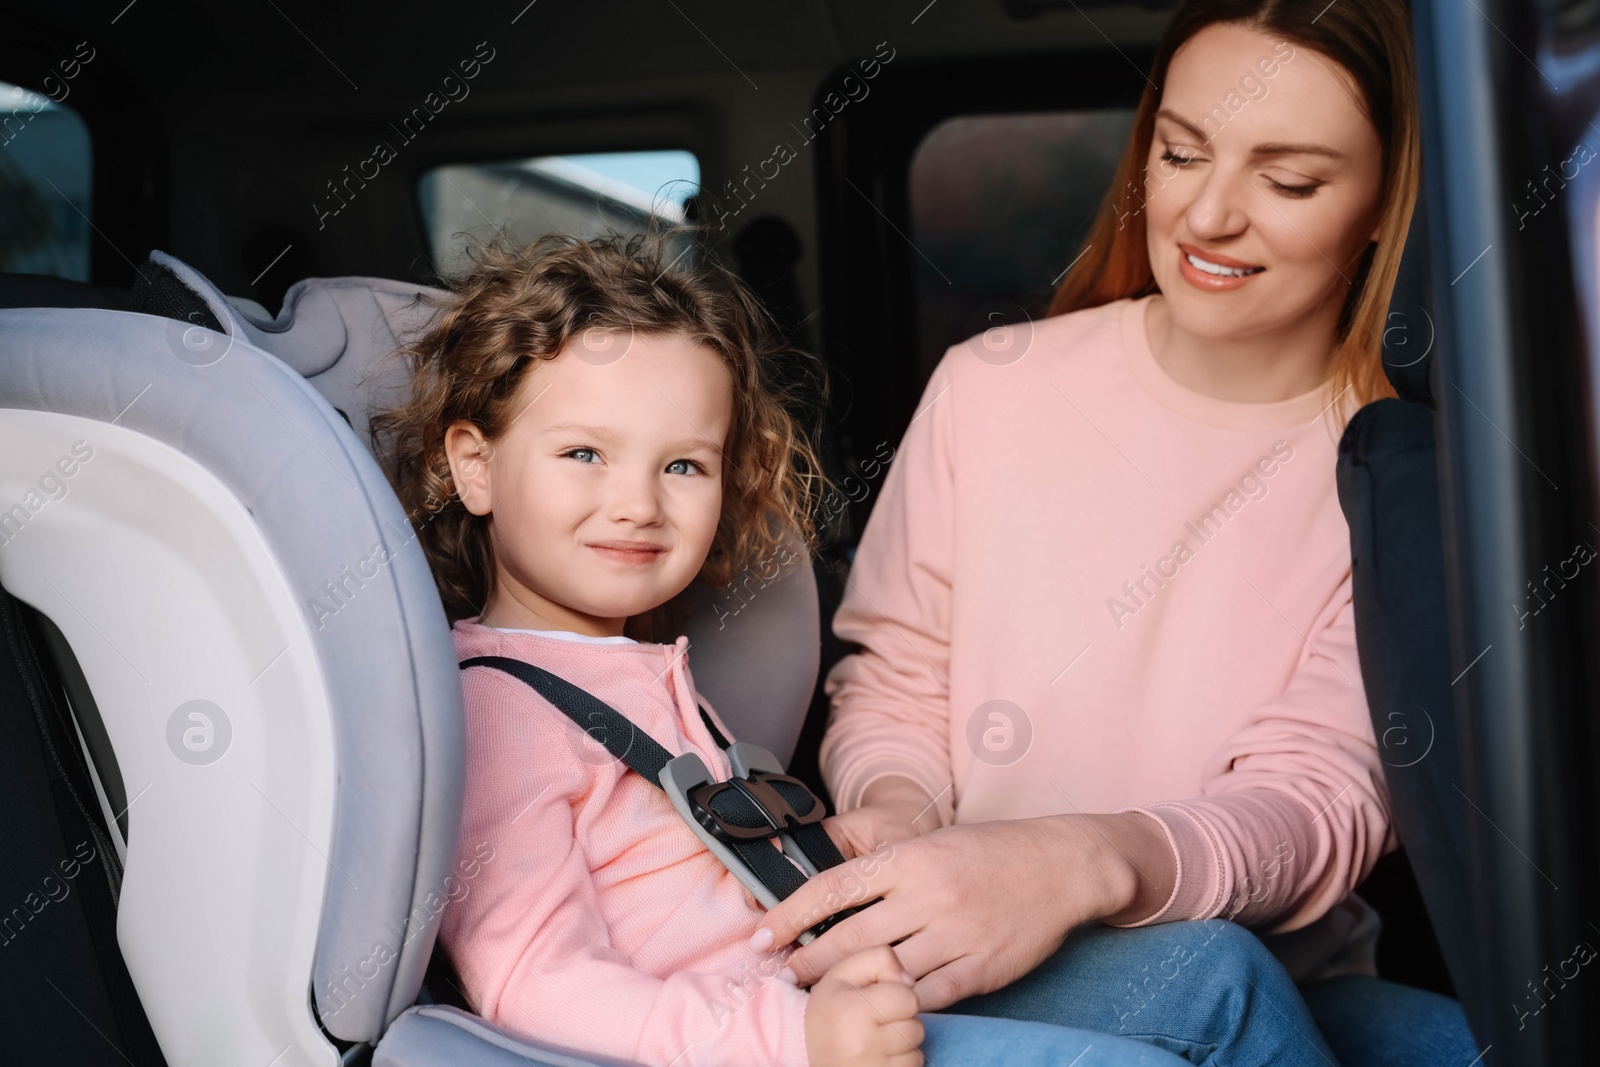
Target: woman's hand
{"points": [[972, 908], [892, 809]]}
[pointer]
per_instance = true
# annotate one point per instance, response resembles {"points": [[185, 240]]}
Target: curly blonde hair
{"points": [[517, 306]]}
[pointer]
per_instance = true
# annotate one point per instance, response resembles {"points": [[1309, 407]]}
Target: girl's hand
{"points": [[863, 1013], [972, 908]]}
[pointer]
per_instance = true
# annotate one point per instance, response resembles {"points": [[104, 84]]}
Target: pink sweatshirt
{"points": [[598, 920], [1086, 588]]}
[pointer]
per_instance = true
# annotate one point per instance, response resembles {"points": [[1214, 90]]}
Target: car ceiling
{"points": [[278, 55], [253, 106]]}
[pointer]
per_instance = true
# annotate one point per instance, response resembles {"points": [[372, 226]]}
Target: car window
{"points": [[999, 205], [524, 199], [45, 171]]}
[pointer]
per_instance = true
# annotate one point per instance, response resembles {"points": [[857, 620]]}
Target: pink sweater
{"points": [[599, 921], [1086, 588]]}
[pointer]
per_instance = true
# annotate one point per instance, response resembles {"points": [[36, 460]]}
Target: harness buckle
{"points": [[758, 788], [691, 788]]}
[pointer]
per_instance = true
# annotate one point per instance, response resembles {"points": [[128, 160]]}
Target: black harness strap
{"points": [[711, 727], [640, 752]]}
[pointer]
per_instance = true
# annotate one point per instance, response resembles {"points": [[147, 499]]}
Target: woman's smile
{"points": [[1213, 272]]}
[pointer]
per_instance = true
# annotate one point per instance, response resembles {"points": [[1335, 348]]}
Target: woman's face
{"points": [[1262, 186]]}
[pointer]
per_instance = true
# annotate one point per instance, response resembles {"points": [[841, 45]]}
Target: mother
{"points": [[1108, 666]]}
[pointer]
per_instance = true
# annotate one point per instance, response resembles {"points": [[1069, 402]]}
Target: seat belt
{"points": [[737, 820]]}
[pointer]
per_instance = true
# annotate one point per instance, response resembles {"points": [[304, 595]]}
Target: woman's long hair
{"points": [[1372, 40]]}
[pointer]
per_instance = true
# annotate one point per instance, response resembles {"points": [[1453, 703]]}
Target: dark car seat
{"points": [[1388, 480]]}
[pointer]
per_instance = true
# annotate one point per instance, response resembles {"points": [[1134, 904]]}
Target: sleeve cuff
{"points": [[848, 794], [1197, 890]]}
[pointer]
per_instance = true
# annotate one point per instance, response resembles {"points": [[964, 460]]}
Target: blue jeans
{"points": [[979, 1041], [1209, 992], [1373, 1023]]}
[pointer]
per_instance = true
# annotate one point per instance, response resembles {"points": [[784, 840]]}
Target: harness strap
{"points": [[643, 755], [711, 727]]}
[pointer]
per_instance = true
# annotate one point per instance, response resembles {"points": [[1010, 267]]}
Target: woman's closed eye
{"points": [[1297, 191], [1300, 191]]}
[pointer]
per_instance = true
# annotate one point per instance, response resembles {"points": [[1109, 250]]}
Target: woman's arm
{"points": [[892, 809], [891, 700], [1293, 815], [1143, 861], [972, 907], [1293, 811]]}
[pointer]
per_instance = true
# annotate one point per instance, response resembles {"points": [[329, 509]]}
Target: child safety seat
{"points": [[229, 701]]}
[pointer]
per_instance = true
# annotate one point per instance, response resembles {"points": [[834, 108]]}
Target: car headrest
{"points": [[157, 291], [44, 291], [1409, 333]]}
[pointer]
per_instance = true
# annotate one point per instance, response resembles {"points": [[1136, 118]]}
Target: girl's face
{"points": [[1262, 189], [605, 490]]}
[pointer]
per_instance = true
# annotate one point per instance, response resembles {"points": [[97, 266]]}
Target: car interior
{"points": [[214, 225]]}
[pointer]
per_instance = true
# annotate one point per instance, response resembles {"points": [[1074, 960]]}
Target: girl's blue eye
{"points": [[579, 454], [698, 467]]}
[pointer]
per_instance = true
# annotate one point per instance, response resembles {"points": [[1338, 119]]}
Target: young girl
{"points": [[604, 426]]}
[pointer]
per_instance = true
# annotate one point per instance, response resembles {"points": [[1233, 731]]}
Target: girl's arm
{"points": [[531, 942], [558, 979]]}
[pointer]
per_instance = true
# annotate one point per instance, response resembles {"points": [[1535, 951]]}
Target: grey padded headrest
{"points": [[334, 331]]}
